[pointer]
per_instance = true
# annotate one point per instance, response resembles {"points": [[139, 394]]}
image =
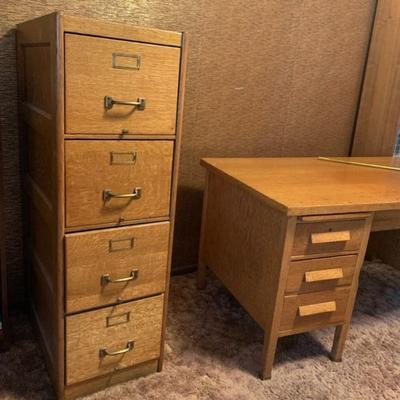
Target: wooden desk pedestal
{"points": [[292, 273]]}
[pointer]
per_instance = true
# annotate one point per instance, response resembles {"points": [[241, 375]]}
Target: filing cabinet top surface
{"points": [[115, 30], [310, 186]]}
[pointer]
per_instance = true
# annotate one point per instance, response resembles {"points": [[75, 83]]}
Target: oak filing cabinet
{"points": [[100, 116]]}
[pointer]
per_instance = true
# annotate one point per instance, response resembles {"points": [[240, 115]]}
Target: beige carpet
{"points": [[214, 350]]}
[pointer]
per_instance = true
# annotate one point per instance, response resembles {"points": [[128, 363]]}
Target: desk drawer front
{"points": [[328, 237], [95, 338], [97, 170], [123, 71], [95, 261], [305, 312], [320, 274]]}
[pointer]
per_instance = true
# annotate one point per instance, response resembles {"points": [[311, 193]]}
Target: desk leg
{"points": [[270, 342], [339, 341], [202, 268]]}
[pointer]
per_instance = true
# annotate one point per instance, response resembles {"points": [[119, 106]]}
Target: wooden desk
{"points": [[287, 237]]}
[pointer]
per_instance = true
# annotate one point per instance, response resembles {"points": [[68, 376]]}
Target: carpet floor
{"points": [[214, 348]]}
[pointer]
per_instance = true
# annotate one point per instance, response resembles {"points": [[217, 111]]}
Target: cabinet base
{"points": [[103, 382]]}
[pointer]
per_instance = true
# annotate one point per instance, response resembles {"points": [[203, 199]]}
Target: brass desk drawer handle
{"points": [[321, 308], [105, 353], [106, 279], [109, 102], [323, 275], [135, 195], [330, 237]]}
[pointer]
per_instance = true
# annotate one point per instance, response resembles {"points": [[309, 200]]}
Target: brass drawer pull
{"points": [[106, 279], [320, 308], [105, 353], [330, 237], [135, 195], [323, 275], [109, 102]]}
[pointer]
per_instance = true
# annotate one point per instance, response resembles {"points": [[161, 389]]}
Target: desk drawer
{"points": [[98, 169], [309, 311], [125, 71], [328, 237], [95, 261], [133, 329], [319, 274]]}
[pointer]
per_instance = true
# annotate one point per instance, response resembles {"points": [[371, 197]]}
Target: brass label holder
{"points": [[123, 158], [121, 244], [118, 319], [133, 59]]}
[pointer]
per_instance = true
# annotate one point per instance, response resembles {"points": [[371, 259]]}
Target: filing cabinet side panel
{"points": [[175, 176], [40, 77]]}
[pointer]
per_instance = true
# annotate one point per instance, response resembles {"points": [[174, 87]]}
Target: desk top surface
{"points": [[309, 186]]}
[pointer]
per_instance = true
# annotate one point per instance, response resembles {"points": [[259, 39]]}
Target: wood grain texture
{"points": [[296, 281], [115, 252], [106, 173], [247, 245], [385, 239], [319, 308], [341, 331], [40, 51], [378, 117], [294, 91], [104, 28], [236, 226], [316, 186], [105, 381], [90, 76], [384, 246], [330, 237], [324, 275], [386, 221], [89, 172], [4, 331], [313, 317], [247, 241], [111, 328], [308, 239], [175, 180], [377, 127]]}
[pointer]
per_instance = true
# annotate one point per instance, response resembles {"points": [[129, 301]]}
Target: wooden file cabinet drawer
{"points": [[328, 237], [95, 261], [318, 274], [133, 329], [308, 311], [97, 170], [122, 70]]}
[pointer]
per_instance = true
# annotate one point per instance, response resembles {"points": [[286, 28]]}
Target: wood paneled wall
{"points": [[378, 121], [265, 78], [378, 118]]}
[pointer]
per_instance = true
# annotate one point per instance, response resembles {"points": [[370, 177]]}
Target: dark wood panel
{"points": [[3, 269], [41, 105], [37, 74]]}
